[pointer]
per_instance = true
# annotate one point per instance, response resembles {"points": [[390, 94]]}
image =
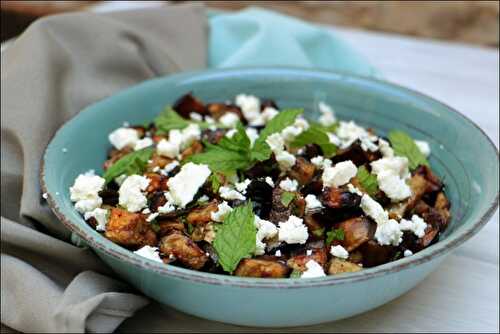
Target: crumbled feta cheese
{"points": [[269, 181], [354, 189], [170, 166], [407, 253], [229, 119], [309, 252], [373, 209], [285, 160], [265, 230], [149, 253], [230, 194], [189, 134], [101, 217], [290, 132], [277, 253], [417, 225], [250, 107], [195, 117], [334, 139], [203, 198], [339, 251], [242, 186], [131, 195], [230, 133], [424, 147], [123, 137], [143, 143], [312, 202], [339, 174], [389, 233], [146, 211], [166, 208], [320, 162], [289, 184], [85, 191], [45, 195], [275, 142], [185, 184], [252, 134], [209, 120], [156, 169], [293, 231], [152, 217], [314, 269], [170, 148], [222, 210], [349, 132], [391, 177], [268, 114], [327, 117], [119, 179], [385, 148]]}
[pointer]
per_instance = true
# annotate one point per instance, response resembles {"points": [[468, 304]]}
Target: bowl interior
{"points": [[461, 154]]}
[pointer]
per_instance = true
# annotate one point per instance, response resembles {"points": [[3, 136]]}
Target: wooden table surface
{"points": [[463, 294]]}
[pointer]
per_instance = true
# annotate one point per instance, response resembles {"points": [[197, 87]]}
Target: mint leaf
{"points": [[367, 180], [235, 238], [335, 234], [287, 197], [261, 150], [315, 135], [230, 155], [216, 181], [169, 120], [295, 274], [132, 163], [403, 145]]}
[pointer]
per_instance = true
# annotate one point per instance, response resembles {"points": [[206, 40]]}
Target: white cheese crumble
{"points": [[189, 134], [269, 181], [170, 167], [152, 217], [131, 195], [250, 107], [252, 134], [149, 252], [195, 117], [373, 209], [143, 143], [167, 207], [170, 148], [354, 189], [334, 139], [312, 202], [349, 132], [293, 231], [146, 211], [85, 191], [101, 217], [123, 137], [407, 253], [309, 252], [389, 233], [265, 230], [289, 184], [423, 147], [185, 184], [314, 269], [45, 195], [242, 186], [269, 113], [285, 159], [385, 148], [229, 119], [222, 211], [339, 251], [392, 174], [119, 179], [203, 198], [327, 117], [417, 225], [277, 253], [230, 134], [339, 174], [230, 194], [320, 162]]}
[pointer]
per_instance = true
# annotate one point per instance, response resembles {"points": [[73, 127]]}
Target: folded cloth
{"points": [[53, 70], [64, 63], [258, 37]]}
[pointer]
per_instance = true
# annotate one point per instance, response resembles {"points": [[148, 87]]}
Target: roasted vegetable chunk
{"points": [[202, 214], [302, 171], [298, 262], [375, 254], [315, 227], [217, 110], [337, 198], [129, 229], [196, 147], [188, 104], [169, 226], [356, 232], [279, 212], [157, 182], [184, 250], [158, 161], [338, 266], [265, 268]]}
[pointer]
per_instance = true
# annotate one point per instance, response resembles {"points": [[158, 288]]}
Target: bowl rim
{"points": [[439, 249]]}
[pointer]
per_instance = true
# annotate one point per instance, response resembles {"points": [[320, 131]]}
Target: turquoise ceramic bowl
{"points": [[461, 154]]}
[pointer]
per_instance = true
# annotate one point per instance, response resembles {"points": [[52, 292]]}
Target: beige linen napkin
{"points": [[58, 66]]}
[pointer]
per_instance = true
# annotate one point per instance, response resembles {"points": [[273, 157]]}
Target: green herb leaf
{"points": [[335, 234], [405, 146], [261, 151], [216, 181], [230, 155], [169, 120], [287, 197], [367, 180], [315, 135], [319, 232], [295, 274], [235, 239], [132, 163], [190, 228], [155, 226]]}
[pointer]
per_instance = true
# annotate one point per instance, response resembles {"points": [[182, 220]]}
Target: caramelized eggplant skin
{"points": [[185, 250], [169, 226], [129, 229], [157, 182], [337, 266], [375, 254], [217, 110], [357, 231], [337, 198], [263, 268], [187, 104], [203, 214], [298, 262], [302, 171]]}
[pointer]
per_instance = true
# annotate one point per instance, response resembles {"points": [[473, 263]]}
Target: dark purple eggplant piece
{"points": [[337, 198], [129, 229], [169, 226], [311, 151], [109, 196], [217, 110], [357, 231], [375, 254], [202, 214], [261, 195], [184, 250], [279, 212], [213, 136], [298, 262], [264, 103], [187, 104], [302, 171], [262, 267], [314, 226]]}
